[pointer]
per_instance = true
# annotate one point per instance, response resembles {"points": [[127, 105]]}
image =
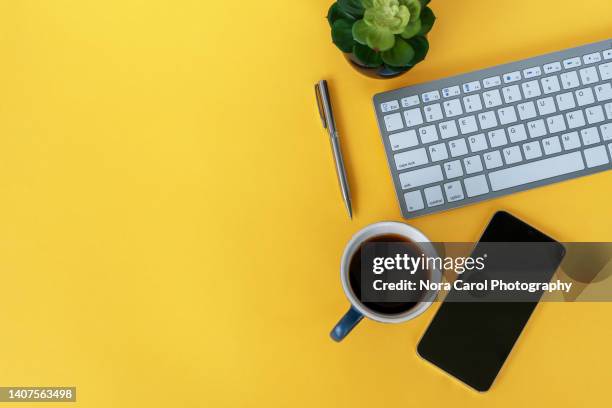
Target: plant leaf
{"points": [[334, 14], [427, 20], [367, 56], [420, 46], [342, 35], [353, 8], [380, 39], [414, 6], [424, 3], [360, 32], [400, 55], [411, 30]]}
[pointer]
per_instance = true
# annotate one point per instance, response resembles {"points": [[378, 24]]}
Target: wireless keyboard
{"points": [[468, 138]]}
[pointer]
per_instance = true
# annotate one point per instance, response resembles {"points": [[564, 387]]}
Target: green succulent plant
{"points": [[382, 33]]}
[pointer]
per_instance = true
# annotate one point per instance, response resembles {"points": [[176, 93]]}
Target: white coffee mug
{"points": [[358, 310]]}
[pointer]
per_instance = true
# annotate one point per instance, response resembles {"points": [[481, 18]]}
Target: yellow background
{"points": [[171, 225]]}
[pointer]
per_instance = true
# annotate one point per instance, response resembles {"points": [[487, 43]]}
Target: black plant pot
{"points": [[382, 72]]}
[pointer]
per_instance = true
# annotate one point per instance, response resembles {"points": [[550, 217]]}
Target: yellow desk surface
{"points": [[170, 220]]}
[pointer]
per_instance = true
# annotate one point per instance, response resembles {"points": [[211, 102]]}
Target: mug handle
{"points": [[346, 324]]}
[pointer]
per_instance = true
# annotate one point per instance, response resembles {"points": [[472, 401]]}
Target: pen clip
{"points": [[320, 105]]}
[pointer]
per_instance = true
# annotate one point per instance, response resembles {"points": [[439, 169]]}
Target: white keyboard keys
{"points": [[527, 110], [552, 67], [497, 138], [592, 58], [511, 93], [438, 152], [413, 117], [453, 169], [536, 128], [585, 96], [453, 191], [546, 106], [471, 87], [433, 112], [570, 80], [421, 177], [453, 108], [428, 134], [550, 84], [565, 101], [594, 114], [588, 75], [478, 142], [507, 115], [531, 89], [472, 103], [492, 98], [517, 133], [608, 108], [457, 147], [590, 136], [410, 159], [512, 155], [409, 101], [448, 129], [493, 159], [430, 96], [414, 201], [555, 124], [603, 92], [472, 164], [536, 171], [433, 196], [551, 145], [606, 71], [570, 141], [403, 140], [491, 82], [606, 131], [468, 125], [389, 106], [450, 92], [575, 119], [512, 77], [487, 120], [596, 156], [572, 63], [475, 186], [607, 54], [532, 150], [532, 72], [393, 122]]}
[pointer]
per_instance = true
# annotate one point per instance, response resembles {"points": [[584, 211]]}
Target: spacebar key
{"points": [[536, 171]]}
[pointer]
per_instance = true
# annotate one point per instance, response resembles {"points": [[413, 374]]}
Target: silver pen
{"points": [[327, 117]]}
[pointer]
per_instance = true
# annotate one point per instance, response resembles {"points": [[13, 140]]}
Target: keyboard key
{"points": [[507, 115], [570, 141], [594, 114], [606, 131], [596, 156], [531, 89], [526, 110], [536, 128], [551, 145], [512, 154], [590, 136], [585, 97], [607, 54], [472, 164], [512, 94], [393, 122], [497, 138], [450, 92], [512, 77], [438, 152], [536, 171], [589, 75], [532, 150], [413, 117], [575, 119], [448, 129], [478, 142], [493, 159], [491, 82], [603, 92], [430, 96], [565, 101], [592, 58], [606, 71], [471, 87], [556, 124], [414, 201], [546, 106], [517, 133], [608, 108], [453, 191], [475, 186], [492, 98], [453, 169], [403, 140], [410, 101], [550, 84], [410, 159], [421, 177], [570, 80], [552, 67], [428, 134], [433, 112], [487, 120], [433, 196], [453, 108], [472, 103], [389, 106], [572, 63], [458, 147], [468, 125], [532, 72]]}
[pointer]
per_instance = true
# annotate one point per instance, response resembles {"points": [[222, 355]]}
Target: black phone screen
{"points": [[471, 341]]}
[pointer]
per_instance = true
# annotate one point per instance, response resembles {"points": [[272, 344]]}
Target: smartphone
{"points": [[472, 340]]}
